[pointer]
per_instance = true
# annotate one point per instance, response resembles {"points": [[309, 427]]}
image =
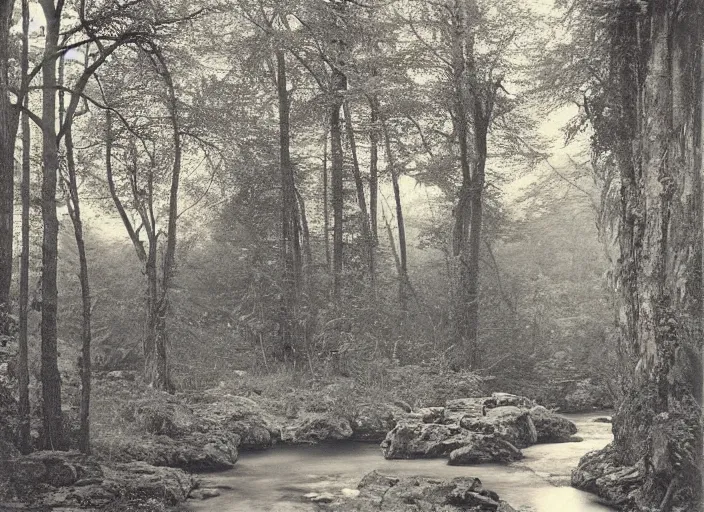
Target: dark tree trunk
{"points": [[23, 359], [290, 232], [305, 230], [473, 101], [339, 82], [465, 332], [74, 209], [159, 371], [471, 262], [374, 181], [404, 283], [51, 380], [361, 198], [8, 132]]}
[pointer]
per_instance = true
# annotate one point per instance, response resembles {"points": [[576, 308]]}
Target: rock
{"points": [[140, 480], [506, 422], [456, 409], [378, 492], [371, 422], [316, 428], [431, 414], [72, 481], [57, 469], [239, 415], [403, 405], [586, 395], [204, 493], [423, 440], [602, 419], [483, 449], [200, 451], [599, 473], [507, 399], [551, 427]]}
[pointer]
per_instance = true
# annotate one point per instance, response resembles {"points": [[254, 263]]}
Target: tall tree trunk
{"points": [[290, 232], [8, 132], [159, 371], [51, 380], [466, 237], [460, 234], [326, 212], [74, 209], [305, 230], [23, 359], [658, 84], [374, 179], [404, 283], [471, 263], [339, 82], [361, 198]]}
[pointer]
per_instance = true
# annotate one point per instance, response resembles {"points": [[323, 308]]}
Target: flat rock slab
{"points": [[485, 449], [72, 481], [378, 492]]}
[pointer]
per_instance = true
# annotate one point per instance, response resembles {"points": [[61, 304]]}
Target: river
{"points": [[276, 480]]}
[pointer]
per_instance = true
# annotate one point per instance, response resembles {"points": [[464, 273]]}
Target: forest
{"points": [[351, 255]]}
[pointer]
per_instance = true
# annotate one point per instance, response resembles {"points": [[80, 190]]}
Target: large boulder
{"points": [[458, 408], [482, 449], [315, 428], [599, 473], [239, 415], [413, 440], [144, 482], [378, 492], [72, 481], [213, 450], [506, 422], [371, 422], [551, 427]]}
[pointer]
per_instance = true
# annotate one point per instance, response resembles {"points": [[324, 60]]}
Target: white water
{"points": [[276, 480]]}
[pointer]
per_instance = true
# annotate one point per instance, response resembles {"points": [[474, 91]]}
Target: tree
{"points": [[51, 380], [23, 359], [646, 116], [8, 131]]}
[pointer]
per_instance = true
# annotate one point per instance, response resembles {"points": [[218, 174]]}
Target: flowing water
{"points": [[276, 480]]}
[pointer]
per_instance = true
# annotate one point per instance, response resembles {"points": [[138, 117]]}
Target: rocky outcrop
{"points": [[481, 449], [167, 432], [423, 440], [599, 474], [314, 428], [239, 415], [69, 480], [371, 422], [508, 423], [551, 427], [378, 492], [214, 450], [486, 429]]}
